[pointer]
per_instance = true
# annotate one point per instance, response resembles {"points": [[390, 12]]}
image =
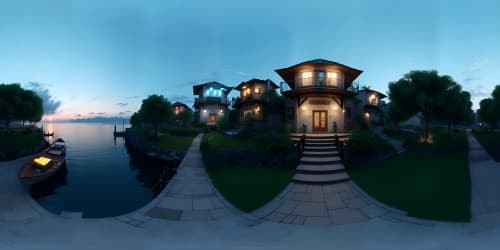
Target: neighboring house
{"points": [[179, 107], [316, 93], [211, 103], [250, 103], [371, 104]]}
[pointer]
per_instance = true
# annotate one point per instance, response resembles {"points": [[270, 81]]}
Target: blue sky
{"points": [[103, 57]]}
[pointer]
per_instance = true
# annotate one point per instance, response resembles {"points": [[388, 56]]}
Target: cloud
{"points": [[100, 113], [180, 98], [130, 97], [50, 105], [478, 91], [91, 113], [122, 104], [95, 98]]}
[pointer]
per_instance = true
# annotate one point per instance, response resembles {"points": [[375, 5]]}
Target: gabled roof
{"points": [[198, 88], [180, 104], [288, 74], [255, 80], [380, 94]]}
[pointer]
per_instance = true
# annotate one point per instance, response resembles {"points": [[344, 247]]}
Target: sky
{"points": [[101, 58]]}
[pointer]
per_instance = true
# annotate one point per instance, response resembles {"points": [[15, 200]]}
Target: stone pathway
{"points": [[485, 181], [340, 203], [397, 144], [189, 195]]}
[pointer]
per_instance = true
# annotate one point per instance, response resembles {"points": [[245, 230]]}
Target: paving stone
{"points": [[317, 195], [287, 206], [300, 188], [328, 188], [164, 213], [218, 213], [176, 203], [216, 202], [333, 201], [276, 217], [373, 211], [299, 220], [302, 197], [203, 204], [342, 187], [346, 215], [311, 209], [356, 203], [266, 209], [347, 194], [289, 196], [289, 219], [196, 215], [317, 221]]}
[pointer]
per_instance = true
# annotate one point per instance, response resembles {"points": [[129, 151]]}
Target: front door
{"points": [[320, 121]]}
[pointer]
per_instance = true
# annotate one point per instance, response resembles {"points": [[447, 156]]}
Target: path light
{"points": [[367, 115]]}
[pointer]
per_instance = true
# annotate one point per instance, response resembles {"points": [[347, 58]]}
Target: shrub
{"points": [[390, 130], [367, 143]]}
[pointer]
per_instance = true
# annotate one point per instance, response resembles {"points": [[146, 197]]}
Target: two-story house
{"points": [[178, 108], [212, 102], [250, 103], [316, 93], [370, 104]]}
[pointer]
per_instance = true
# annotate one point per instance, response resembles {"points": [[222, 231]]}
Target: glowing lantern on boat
{"points": [[42, 161]]}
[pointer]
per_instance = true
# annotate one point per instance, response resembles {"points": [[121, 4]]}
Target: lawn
{"points": [[491, 142], [427, 181], [430, 186], [222, 142], [249, 188], [178, 143]]}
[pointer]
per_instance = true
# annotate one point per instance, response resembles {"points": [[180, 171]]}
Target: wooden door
{"points": [[320, 121]]}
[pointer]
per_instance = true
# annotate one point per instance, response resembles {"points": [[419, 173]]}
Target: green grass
{"points": [[11, 143], [178, 143], [491, 142], [222, 142], [430, 186], [249, 188]]}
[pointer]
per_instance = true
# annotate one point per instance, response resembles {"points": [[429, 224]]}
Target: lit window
{"points": [[256, 90], [248, 91], [307, 74], [332, 75]]}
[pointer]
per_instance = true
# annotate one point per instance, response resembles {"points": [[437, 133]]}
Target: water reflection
{"points": [[103, 177]]}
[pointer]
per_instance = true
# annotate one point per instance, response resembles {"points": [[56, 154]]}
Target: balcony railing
{"points": [[218, 100], [313, 83]]}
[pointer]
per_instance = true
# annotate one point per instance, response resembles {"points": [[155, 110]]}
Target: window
{"points": [[320, 78], [332, 78], [307, 77], [214, 92], [256, 90], [212, 118]]}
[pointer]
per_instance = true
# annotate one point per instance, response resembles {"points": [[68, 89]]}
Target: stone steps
{"points": [[320, 162], [321, 178]]}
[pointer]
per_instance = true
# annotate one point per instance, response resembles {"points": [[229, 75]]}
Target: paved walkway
{"points": [[485, 182], [397, 144], [189, 195]]}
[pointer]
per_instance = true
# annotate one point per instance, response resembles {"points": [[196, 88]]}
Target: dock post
{"points": [[114, 133]]}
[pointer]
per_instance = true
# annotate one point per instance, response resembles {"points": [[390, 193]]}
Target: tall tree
{"points": [[156, 109], [420, 92], [487, 112], [457, 106], [10, 103]]}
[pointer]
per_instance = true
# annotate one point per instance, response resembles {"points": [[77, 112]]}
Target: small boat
{"points": [[44, 164]]}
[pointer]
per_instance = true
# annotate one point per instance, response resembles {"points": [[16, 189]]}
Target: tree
{"points": [[274, 103], [487, 112], [156, 109], [396, 114], [457, 106], [135, 119], [420, 91], [19, 104], [185, 117]]}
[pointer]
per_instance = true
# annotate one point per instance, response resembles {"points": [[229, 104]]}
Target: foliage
{"points": [[249, 188], [390, 130], [222, 123], [155, 109], [135, 120], [366, 143], [17, 103], [11, 144], [185, 117], [274, 103], [442, 142], [274, 142], [457, 107], [178, 143], [489, 108], [427, 92], [430, 186]]}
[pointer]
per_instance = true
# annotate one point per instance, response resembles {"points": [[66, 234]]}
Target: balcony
{"points": [[316, 87], [210, 100], [249, 99]]}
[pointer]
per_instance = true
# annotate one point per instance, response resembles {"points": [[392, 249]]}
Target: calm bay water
{"points": [[102, 178]]}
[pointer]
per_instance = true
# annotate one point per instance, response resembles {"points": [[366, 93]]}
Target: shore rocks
{"points": [[143, 146]]}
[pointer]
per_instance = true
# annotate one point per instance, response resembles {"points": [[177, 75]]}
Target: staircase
{"points": [[320, 162]]}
